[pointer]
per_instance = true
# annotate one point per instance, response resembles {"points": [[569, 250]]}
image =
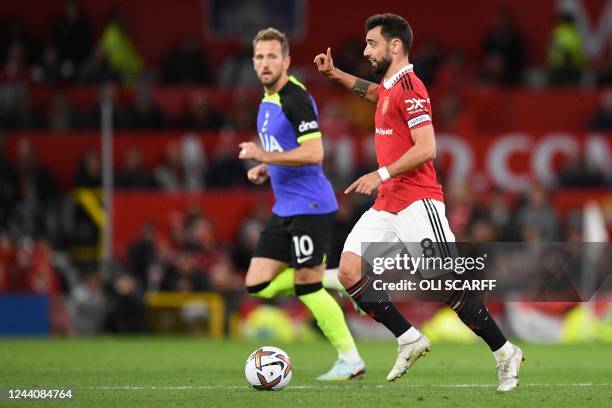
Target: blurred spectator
{"points": [[225, 169], [536, 220], [18, 112], [143, 113], [451, 115], [35, 191], [482, 230], [345, 220], [349, 55], [169, 173], [15, 66], [461, 210], [183, 166], [6, 262], [249, 235], [89, 172], [183, 276], [194, 162], [87, 305], [566, 57], [426, 60], [503, 49], [50, 69], [201, 114], [12, 33], [500, 214], [602, 118], [201, 239], [224, 278], [578, 172], [493, 72], [122, 54], [97, 69], [454, 72], [186, 64], [242, 115], [237, 69], [93, 118], [133, 174], [60, 117], [604, 73], [71, 35], [142, 253], [42, 278], [126, 307], [338, 142], [9, 186]]}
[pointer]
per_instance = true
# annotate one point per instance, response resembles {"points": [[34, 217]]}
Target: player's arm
{"points": [[309, 152], [258, 174], [423, 150], [361, 87]]}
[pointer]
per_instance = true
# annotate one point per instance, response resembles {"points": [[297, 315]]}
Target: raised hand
{"points": [[325, 63]]}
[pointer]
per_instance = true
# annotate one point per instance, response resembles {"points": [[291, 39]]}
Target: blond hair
{"points": [[271, 34]]}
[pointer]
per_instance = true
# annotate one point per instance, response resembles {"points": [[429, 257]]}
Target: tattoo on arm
{"points": [[361, 87]]}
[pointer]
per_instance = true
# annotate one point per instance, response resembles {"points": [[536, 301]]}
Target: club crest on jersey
{"points": [[385, 105]]}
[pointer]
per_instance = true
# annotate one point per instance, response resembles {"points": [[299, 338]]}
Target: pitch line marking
{"points": [[222, 387]]}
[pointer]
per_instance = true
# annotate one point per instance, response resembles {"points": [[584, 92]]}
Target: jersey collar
{"points": [[396, 77]]}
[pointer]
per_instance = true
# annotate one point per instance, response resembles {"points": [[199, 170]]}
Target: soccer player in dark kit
{"points": [[290, 255]]}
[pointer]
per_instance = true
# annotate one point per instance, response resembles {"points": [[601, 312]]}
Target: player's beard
{"points": [[383, 65], [271, 81]]}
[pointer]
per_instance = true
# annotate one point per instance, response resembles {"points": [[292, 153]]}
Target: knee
{"points": [[349, 274], [305, 276]]}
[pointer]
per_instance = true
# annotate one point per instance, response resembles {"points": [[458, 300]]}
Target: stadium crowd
{"points": [[40, 224]]}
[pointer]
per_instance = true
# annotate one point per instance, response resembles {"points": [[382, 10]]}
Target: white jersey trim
{"points": [[396, 77], [419, 119]]}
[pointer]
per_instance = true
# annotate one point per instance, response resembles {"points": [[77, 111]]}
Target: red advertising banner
{"points": [[512, 161]]}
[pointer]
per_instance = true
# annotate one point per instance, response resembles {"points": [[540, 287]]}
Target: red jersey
{"points": [[403, 105]]}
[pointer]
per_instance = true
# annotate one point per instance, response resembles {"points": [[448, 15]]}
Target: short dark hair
{"points": [[392, 26], [272, 34]]}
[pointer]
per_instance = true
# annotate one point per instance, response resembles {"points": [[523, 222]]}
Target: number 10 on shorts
{"points": [[304, 248]]}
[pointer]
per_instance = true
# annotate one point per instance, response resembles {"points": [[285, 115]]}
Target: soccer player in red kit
{"points": [[409, 207]]}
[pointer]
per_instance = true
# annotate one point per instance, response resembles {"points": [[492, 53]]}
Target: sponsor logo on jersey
{"points": [[304, 126], [384, 132], [385, 105], [418, 119], [415, 103]]}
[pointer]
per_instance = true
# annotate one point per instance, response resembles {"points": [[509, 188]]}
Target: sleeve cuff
{"points": [[308, 136]]}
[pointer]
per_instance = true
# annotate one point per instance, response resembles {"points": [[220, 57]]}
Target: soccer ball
{"points": [[268, 368]]}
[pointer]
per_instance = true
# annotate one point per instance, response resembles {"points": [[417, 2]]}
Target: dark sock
{"points": [[306, 288], [257, 288], [378, 305], [475, 315]]}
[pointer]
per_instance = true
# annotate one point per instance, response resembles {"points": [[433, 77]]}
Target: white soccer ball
{"points": [[268, 368]]}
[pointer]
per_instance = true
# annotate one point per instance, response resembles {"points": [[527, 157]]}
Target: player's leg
{"points": [[374, 227], [268, 275], [429, 219], [330, 319], [265, 278], [310, 240]]}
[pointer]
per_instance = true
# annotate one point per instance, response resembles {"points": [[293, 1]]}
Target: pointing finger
{"points": [[350, 188]]}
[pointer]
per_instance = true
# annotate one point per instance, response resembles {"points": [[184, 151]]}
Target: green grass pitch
{"points": [[185, 372]]}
